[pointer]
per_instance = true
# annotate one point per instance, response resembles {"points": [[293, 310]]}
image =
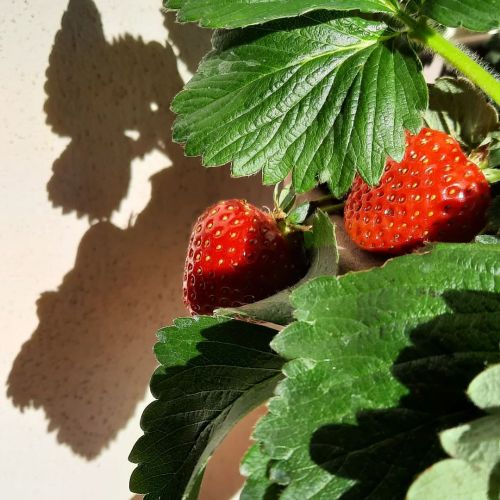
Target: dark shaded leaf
{"points": [[213, 372], [473, 471], [494, 215], [461, 110]]}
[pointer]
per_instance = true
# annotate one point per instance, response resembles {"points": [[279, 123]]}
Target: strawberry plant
{"points": [[379, 384]]}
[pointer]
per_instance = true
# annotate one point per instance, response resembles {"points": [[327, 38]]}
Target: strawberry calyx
{"points": [[290, 217], [492, 175], [297, 217], [487, 157]]}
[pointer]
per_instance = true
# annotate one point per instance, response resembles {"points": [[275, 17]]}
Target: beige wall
{"points": [[96, 208]]}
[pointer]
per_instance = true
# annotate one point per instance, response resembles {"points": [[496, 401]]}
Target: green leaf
{"points": [[476, 15], [299, 214], [239, 13], [458, 108], [484, 390], [494, 150], [320, 97], [380, 361], [474, 471], [450, 478], [213, 372], [255, 466], [321, 241], [487, 239], [277, 309], [476, 441], [284, 198]]}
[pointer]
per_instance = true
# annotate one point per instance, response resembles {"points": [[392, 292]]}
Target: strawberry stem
{"points": [[454, 55], [335, 208], [323, 201], [329, 204]]}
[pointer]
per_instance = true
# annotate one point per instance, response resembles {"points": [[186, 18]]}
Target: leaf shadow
{"points": [[384, 452], [112, 100], [88, 362], [191, 41]]}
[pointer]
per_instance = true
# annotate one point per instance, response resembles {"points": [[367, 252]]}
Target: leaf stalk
{"points": [[463, 62], [333, 209]]}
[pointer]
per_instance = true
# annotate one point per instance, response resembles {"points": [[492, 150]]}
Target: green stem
{"points": [[328, 204], [327, 199], [336, 208], [451, 53]]}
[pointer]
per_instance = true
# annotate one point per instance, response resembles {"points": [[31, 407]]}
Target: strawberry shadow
{"points": [[88, 362], [387, 449]]}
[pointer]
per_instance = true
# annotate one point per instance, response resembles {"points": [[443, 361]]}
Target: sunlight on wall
{"points": [[97, 206]]}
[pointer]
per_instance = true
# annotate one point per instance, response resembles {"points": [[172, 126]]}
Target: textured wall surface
{"points": [[96, 209]]}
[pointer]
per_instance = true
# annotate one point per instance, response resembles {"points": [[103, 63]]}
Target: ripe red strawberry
{"points": [[434, 194], [238, 255]]}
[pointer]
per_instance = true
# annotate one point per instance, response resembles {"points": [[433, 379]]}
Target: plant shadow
{"points": [[89, 360], [112, 101], [387, 449], [191, 41]]}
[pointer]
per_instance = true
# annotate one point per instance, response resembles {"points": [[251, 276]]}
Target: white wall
{"points": [[96, 208]]}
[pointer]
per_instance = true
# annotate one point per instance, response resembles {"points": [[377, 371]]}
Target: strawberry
{"points": [[434, 194], [238, 255]]}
